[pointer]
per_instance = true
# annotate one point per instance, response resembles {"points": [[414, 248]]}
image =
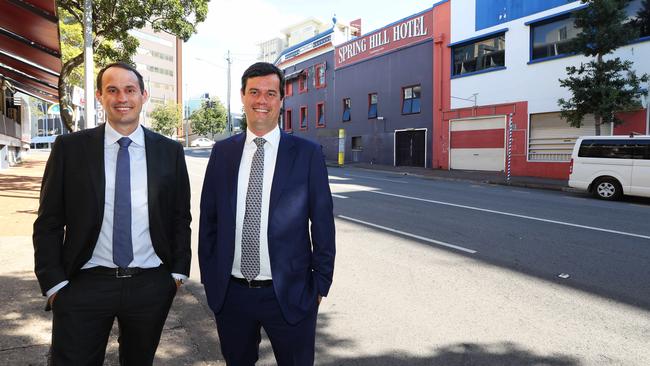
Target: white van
{"points": [[610, 166]]}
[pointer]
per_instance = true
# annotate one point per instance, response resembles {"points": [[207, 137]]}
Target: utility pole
{"points": [[228, 119], [89, 64]]}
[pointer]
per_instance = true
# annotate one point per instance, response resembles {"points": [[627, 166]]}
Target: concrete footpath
{"points": [[189, 337]]}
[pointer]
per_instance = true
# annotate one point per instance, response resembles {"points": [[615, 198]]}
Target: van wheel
{"points": [[608, 189]]}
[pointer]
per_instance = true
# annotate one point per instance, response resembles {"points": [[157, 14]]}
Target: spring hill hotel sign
{"points": [[404, 33]]}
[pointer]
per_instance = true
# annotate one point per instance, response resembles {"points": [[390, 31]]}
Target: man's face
{"points": [[121, 98], [262, 103]]}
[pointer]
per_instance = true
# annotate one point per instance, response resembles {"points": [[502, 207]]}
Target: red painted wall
{"points": [[441, 82], [633, 122]]}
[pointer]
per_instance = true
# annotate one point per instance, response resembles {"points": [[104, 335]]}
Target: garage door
{"points": [[477, 144]]}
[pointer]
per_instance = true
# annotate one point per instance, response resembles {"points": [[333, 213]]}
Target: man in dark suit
{"points": [[112, 237], [262, 264]]}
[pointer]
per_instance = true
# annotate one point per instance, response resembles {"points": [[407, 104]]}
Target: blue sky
{"points": [[239, 25]]}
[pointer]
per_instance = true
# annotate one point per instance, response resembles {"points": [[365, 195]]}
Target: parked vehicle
{"points": [[611, 166], [202, 142]]}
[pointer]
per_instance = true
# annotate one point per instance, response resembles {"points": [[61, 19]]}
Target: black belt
{"points": [[118, 272], [253, 283]]}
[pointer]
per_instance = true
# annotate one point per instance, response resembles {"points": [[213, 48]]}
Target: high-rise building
{"points": [[158, 59]]}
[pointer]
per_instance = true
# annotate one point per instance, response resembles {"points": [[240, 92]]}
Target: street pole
{"points": [[186, 111], [89, 65], [228, 120]]}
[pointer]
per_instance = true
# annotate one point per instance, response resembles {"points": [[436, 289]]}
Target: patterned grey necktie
{"points": [[250, 242]]}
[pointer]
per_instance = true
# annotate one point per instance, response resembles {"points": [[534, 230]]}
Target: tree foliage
{"points": [[210, 118], [601, 87], [167, 118], [111, 41]]}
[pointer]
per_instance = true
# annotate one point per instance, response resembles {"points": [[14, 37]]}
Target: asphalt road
{"points": [[434, 272]]}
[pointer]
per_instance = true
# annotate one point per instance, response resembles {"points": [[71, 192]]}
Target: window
{"points": [[356, 143], [411, 101], [288, 120], [552, 38], [288, 89], [303, 118], [347, 109], [615, 149], [320, 76], [320, 114], [372, 105], [302, 83], [479, 55]]}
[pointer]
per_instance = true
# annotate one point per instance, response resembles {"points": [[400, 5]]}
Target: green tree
{"points": [[642, 21], [111, 40], [210, 118], [167, 118], [244, 122], [601, 87]]}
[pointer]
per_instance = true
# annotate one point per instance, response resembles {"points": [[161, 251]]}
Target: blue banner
{"points": [[493, 12]]}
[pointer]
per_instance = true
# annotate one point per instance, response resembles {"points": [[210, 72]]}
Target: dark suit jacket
{"points": [[302, 265], [72, 205]]}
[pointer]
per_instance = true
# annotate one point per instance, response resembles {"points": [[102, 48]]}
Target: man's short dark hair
{"points": [[122, 65], [262, 69]]}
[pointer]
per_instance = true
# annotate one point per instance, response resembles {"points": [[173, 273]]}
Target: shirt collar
{"points": [[272, 137], [111, 136]]}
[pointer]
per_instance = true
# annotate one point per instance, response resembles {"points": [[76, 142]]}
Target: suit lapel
{"points": [[153, 177], [94, 153], [283, 165], [234, 151]]}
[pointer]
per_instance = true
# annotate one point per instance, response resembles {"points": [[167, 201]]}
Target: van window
{"points": [[615, 149]]}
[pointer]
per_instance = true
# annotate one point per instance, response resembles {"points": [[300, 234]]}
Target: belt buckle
{"points": [[119, 274], [250, 284]]}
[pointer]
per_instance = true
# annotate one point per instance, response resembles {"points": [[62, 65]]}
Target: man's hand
{"points": [[50, 301], [320, 298], [178, 283]]}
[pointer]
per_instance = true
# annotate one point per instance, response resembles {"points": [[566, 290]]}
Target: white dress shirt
{"points": [[144, 255], [270, 156]]}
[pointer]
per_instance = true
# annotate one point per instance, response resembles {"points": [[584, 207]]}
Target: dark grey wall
{"points": [[385, 75]]}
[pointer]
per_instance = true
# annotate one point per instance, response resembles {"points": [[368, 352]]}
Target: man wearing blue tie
{"points": [[112, 237], [266, 234]]}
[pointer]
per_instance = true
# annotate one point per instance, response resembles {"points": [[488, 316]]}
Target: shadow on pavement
{"points": [[458, 354], [28, 187], [24, 325]]}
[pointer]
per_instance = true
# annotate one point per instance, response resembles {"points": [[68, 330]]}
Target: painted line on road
{"points": [[338, 196], [515, 215], [373, 178], [437, 242]]}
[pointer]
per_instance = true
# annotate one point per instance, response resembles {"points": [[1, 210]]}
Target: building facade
{"points": [[466, 84], [380, 89], [506, 66], [158, 59]]}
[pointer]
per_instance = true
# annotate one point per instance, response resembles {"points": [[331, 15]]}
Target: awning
{"points": [[30, 52], [293, 74]]}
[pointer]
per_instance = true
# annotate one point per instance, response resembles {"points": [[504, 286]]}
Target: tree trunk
{"points": [[65, 98], [598, 120]]}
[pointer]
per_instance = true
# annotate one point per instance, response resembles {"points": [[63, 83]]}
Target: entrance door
{"points": [[410, 148]]}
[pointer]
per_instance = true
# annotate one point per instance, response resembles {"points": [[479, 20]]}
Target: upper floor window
{"points": [[302, 83], [320, 76], [288, 89], [303, 118], [552, 38], [479, 55], [411, 101], [372, 105], [288, 120], [320, 114], [347, 109]]}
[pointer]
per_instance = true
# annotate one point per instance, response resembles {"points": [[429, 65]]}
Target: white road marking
{"points": [[338, 196], [437, 242], [516, 215], [373, 178]]}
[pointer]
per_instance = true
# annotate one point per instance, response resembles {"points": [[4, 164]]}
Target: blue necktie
{"points": [[122, 244]]}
